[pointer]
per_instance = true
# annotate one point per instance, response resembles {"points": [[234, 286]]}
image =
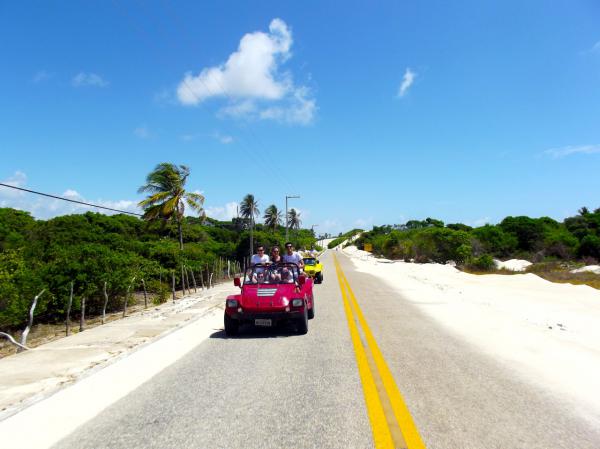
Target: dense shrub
{"points": [[495, 241], [590, 247], [538, 239], [91, 249], [482, 263]]}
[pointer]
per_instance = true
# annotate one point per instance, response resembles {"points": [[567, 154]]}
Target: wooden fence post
{"points": [[127, 297], [182, 281], [173, 277], [145, 295], [105, 304], [194, 280], [82, 317], [68, 322]]}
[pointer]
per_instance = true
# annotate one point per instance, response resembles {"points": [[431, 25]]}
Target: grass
{"points": [[559, 272]]}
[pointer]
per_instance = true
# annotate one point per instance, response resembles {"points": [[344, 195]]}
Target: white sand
{"points": [[60, 414], [512, 264], [588, 269], [548, 333]]}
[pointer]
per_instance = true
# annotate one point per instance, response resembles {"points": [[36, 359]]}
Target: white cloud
{"points": [[364, 223], [224, 139], [83, 79], [239, 109], [407, 81], [251, 71], [164, 97], [481, 222], [72, 194], [250, 77], [142, 132], [43, 207], [221, 138], [300, 109], [558, 153], [223, 213], [188, 137], [40, 76], [330, 226], [19, 179]]}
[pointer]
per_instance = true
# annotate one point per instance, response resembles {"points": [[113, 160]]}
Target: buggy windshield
{"points": [[309, 261], [271, 274]]}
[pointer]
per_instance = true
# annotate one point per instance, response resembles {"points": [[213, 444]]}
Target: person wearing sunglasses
{"points": [[292, 256], [275, 255], [259, 257]]}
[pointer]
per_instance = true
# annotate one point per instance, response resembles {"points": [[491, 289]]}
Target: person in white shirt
{"points": [[260, 257], [291, 256]]}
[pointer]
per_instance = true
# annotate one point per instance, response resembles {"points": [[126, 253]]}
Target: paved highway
{"points": [[372, 371]]}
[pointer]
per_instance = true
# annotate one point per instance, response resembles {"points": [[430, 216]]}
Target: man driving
{"points": [[291, 256]]}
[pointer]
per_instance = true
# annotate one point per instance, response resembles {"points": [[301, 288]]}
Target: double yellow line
{"points": [[392, 425]]}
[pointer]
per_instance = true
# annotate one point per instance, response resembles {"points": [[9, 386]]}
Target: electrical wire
{"points": [[252, 154], [183, 29], [69, 200]]}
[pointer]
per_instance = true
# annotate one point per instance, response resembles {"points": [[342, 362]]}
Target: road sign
{"points": [[368, 247]]}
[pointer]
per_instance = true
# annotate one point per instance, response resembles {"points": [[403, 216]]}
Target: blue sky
{"points": [[373, 112]]}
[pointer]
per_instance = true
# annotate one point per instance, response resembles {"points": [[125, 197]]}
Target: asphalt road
{"points": [[275, 389]]}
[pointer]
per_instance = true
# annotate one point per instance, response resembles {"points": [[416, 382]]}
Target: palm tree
{"points": [[294, 221], [273, 217], [249, 210], [168, 197]]}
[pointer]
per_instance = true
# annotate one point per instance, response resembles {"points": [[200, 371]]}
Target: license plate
{"points": [[262, 322]]}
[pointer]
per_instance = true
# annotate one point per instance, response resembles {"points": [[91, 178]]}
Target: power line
{"points": [[252, 155], [267, 160], [69, 200]]}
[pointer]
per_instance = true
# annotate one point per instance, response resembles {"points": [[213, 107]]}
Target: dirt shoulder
{"points": [[33, 375]]}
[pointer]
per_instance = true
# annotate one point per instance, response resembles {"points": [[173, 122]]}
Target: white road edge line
{"points": [[47, 422]]}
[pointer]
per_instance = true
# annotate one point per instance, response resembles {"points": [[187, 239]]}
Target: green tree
{"points": [[293, 219], [495, 241], [249, 209], [167, 199], [273, 217], [528, 231]]}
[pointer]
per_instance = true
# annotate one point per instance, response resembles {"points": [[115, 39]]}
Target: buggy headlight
{"points": [[297, 302], [232, 303]]}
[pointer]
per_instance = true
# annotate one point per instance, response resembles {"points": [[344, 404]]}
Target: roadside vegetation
{"points": [[122, 255], [92, 248], [555, 247], [343, 237]]}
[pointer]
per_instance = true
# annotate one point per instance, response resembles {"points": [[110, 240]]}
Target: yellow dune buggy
{"points": [[314, 269]]}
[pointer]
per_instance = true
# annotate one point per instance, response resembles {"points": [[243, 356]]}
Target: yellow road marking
{"points": [[381, 432], [400, 410]]}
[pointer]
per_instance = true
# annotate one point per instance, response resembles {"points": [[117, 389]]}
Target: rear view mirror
{"points": [[318, 261], [301, 279], [237, 282]]}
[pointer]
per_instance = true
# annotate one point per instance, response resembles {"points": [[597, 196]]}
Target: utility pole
{"points": [[287, 222], [312, 229]]}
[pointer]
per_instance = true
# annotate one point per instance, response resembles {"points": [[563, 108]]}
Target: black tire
{"points": [[232, 326], [302, 323], [319, 278], [311, 312]]}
